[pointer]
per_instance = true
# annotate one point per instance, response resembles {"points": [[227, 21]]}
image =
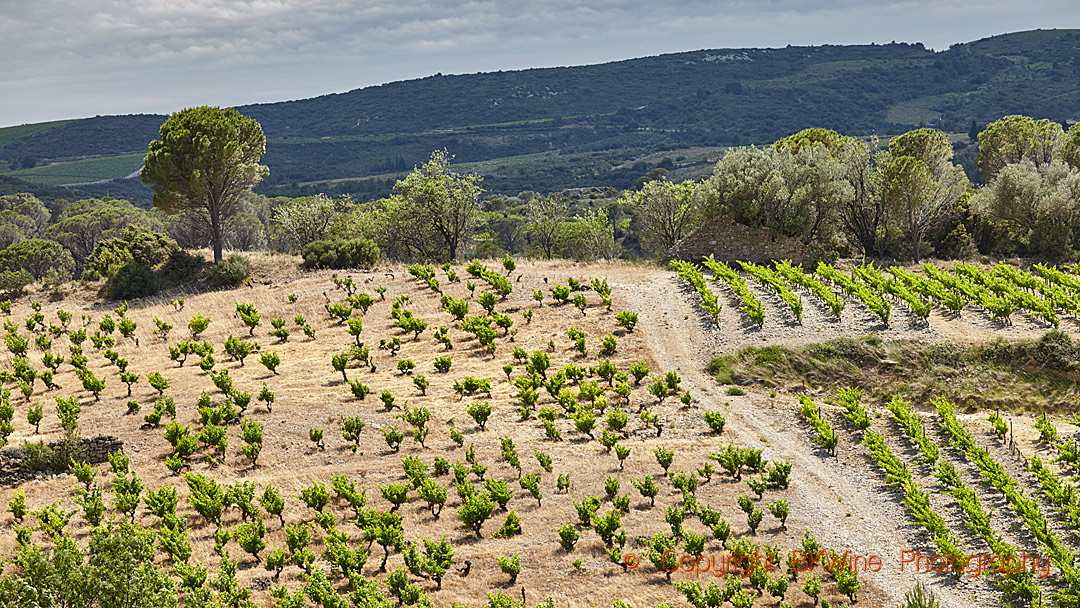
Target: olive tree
{"points": [[792, 193], [836, 144], [1040, 206], [666, 212], [588, 237], [22, 216], [1068, 151], [864, 212], [545, 216], [206, 159], [85, 222], [310, 218], [116, 568], [37, 257], [443, 200]]}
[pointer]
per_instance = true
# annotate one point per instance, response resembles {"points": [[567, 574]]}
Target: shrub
{"points": [[316, 437], [647, 488], [157, 381], [664, 457], [182, 267], [13, 282], [133, 280], [270, 360], [568, 536], [511, 527], [480, 411], [920, 596], [351, 427], [231, 271], [136, 244], [340, 253], [198, 324], [17, 506], [315, 496], [476, 509], [1056, 350], [715, 420]]}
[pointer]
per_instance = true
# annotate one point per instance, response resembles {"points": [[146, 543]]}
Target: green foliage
{"points": [[480, 411], [351, 426], [315, 496], [510, 565], [511, 527], [198, 325], [231, 271], [116, 568], [476, 509], [182, 267], [17, 505], [443, 364], [13, 282], [37, 257], [647, 488], [270, 360], [344, 253], [920, 596], [316, 437], [137, 244]]}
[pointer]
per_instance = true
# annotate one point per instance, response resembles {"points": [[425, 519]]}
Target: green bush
{"points": [[340, 253], [12, 282], [182, 266], [40, 457], [136, 244], [37, 257], [231, 271], [133, 280]]}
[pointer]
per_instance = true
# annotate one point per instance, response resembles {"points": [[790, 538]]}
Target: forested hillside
{"points": [[583, 123]]}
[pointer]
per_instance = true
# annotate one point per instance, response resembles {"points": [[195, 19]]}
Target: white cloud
{"points": [[69, 58]]}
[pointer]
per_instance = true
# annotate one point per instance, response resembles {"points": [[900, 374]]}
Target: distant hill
{"points": [[592, 118]]}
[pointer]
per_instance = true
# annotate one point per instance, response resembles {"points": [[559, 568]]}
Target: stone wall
{"points": [[729, 241], [95, 449], [98, 447]]}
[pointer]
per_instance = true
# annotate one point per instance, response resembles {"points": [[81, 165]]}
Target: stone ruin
{"points": [[728, 241]]}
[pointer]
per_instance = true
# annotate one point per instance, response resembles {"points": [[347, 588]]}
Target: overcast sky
{"points": [[77, 58]]}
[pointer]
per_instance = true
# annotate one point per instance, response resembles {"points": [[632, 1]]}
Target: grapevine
{"points": [[751, 305]]}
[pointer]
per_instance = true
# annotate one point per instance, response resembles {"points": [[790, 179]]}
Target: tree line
{"points": [[841, 196]]}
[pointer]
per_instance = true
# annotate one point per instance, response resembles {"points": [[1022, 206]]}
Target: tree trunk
{"points": [[215, 229]]}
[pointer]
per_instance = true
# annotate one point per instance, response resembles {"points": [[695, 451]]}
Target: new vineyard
{"points": [[766, 276], [796, 276], [692, 275], [751, 305], [874, 302]]}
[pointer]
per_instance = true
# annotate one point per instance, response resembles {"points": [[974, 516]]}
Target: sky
{"points": [[75, 58]]}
